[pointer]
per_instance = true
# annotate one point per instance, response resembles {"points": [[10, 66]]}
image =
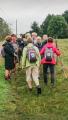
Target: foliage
{"points": [[4, 29], [35, 28], [65, 15], [45, 24], [58, 27], [53, 25]]}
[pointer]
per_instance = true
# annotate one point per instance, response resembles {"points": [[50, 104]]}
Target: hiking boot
{"points": [[8, 78], [39, 78], [38, 90], [45, 82], [52, 85], [30, 89]]}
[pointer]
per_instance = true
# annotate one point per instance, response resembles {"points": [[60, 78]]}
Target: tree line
{"points": [[4, 29], [54, 25]]}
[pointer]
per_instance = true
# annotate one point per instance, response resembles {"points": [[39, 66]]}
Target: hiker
{"points": [[24, 39], [20, 43], [39, 43], [44, 39], [15, 46], [27, 35], [31, 61], [14, 43], [9, 57], [34, 37], [39, 46], [48, 61]]}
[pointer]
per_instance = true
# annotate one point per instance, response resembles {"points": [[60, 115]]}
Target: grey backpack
{"points": [[49, 54]]}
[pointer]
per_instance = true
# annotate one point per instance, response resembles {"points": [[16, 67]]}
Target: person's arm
{"points": [[42, 51], [38, 57], [57, 51], [24, 55]]}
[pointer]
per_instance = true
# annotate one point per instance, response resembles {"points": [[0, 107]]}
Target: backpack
{"points": [[49, 54], [31, 54]]}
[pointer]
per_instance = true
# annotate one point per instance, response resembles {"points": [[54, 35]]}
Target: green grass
{"points": [[17, 103]]}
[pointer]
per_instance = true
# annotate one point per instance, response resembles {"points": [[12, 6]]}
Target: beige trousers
{"points": [[32, 73]]}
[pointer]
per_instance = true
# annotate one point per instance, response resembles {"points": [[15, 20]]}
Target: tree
{"points": [[4, 29], [35, 28], [58, 27], [65, 15], [45, 24]]}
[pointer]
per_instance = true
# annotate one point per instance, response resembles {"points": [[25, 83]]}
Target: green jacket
{"points": [[25, 61]]}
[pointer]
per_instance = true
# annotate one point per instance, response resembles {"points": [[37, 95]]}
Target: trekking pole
{"points": [[57, 48], [63, 68], [61, 63], [14, 72]]}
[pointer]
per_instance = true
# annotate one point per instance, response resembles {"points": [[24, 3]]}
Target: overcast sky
{"points": [[27, 11]]}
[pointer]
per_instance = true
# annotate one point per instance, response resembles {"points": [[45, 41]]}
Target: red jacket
{"points": [[55, 50]]}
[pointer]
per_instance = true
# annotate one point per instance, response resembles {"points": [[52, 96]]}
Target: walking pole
{"points": [[61, 63], [63, 68]]}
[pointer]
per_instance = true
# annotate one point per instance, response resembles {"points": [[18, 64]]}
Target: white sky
{"points": [[27, 11]]}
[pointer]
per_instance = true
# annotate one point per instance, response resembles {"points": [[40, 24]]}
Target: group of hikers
{"points": [[30, 51]]}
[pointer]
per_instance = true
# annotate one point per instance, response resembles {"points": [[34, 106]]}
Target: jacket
{"points": [[55, 51], [25, 61]]}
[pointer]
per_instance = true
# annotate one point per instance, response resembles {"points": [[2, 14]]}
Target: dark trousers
{"points": [[46, 69]]}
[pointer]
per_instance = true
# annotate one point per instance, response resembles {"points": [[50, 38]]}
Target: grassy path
{"points": [[17, 103]]}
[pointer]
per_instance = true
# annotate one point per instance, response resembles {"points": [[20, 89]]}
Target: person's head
{"points": [[27, 35], [38, 39], [34, 35], [29, 39], [22, 36], [13, 37], [8, 38], [45, 37], [50, 40]]}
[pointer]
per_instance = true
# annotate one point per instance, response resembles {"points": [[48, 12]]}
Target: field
{"points": [[17, 103]]}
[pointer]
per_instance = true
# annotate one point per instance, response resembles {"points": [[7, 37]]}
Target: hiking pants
{"points": [[32, 73], [46, 69]]}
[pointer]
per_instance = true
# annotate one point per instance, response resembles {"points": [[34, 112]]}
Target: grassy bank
{"points": [[17, 103]]}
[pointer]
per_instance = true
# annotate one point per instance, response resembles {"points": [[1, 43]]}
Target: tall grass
{"points": [[17, 103]]}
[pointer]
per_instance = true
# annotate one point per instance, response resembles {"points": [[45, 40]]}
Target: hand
{"points": [[15, 54]]}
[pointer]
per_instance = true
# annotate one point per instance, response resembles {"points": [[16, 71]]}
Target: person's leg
{"points": [[19, 57], [9, 74], [35, 74], [52, 71], [45, 73], [6, 74], [29, 78]]}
